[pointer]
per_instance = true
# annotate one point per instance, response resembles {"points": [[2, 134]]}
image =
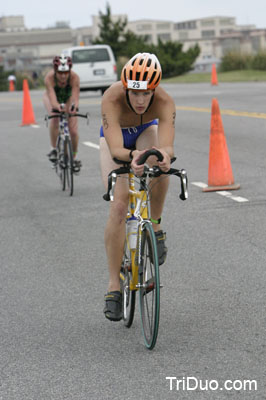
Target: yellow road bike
{"points": [[140, 267]]}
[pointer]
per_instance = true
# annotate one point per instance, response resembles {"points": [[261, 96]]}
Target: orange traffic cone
{"points": [[27, 112], [11, 86], [214, 80], [220, 175]]}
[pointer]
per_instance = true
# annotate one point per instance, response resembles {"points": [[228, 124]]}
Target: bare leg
{"points": [[73, 129], [114, 236], [54, 123], [159, 185]]}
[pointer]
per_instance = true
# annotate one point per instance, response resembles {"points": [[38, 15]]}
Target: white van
{"points": [[95, 66]]}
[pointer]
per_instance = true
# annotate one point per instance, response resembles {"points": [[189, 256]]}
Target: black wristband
{"points": [[131, 155]]}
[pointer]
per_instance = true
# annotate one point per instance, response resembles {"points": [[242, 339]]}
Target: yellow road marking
{"points": [[233, 113], [225, 112]]}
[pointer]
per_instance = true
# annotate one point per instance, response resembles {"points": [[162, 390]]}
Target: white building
{"points": [[22, 49]]}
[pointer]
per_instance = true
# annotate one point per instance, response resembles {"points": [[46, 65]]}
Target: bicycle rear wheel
{"points": [[149, 286], [128, 296], [68, 167]]}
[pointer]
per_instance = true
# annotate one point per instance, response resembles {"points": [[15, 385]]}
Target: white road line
{"points": [[229, 194], [90, 144], [199, 184], [222, 193]]}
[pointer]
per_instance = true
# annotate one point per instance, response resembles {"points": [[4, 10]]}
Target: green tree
{"points": [[111, 32], [234, 61], [259, 61], [3, 79], [173, 59], [125, 44], [133, 44]]}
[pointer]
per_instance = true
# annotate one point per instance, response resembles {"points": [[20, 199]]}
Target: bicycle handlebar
{"points": [[182, 174], [60, 113], [148, 153], [112, 180], [143, 158], [153, 172], [67, 115]]}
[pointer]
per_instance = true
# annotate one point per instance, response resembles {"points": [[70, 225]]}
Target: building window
{"points": [[185, 25], [183, 35], [224, 31], [191, 25], [231, 44], [207, 22], [164, 26], [207, 34], [226, 21], [144, 27]]}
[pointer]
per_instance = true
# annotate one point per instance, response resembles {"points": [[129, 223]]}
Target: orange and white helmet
{"points": [[142, 72]]}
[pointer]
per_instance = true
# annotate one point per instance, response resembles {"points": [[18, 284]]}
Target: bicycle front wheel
{"points": [[128, 295], [68, 170], [59, 166], [149, 286]]}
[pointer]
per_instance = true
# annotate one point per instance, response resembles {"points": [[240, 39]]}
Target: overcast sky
{"points": [[78, 12]]}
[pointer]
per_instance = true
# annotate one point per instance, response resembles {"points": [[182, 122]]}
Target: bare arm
{"points": [[166, 128], [165, 108], [75, 83], [49, 84], [166, 132], [112, 130]]}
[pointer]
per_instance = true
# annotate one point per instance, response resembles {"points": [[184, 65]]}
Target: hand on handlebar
{"points": [[164, 165], [56, 108], [138, 165], [137, 169], [72, 110]]}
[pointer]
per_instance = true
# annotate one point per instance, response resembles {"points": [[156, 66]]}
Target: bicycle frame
{"points": [[63, 121], [139, 208], [64, 136], [64, 164], [63, 127]]}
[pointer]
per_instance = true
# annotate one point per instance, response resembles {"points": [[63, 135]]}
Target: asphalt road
{"points": [[55, 343]]}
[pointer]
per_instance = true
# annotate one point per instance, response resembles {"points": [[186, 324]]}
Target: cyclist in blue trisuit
{"points": [[136, 115]]}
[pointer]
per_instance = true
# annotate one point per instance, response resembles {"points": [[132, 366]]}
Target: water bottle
{"points": [[132, 229]]}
